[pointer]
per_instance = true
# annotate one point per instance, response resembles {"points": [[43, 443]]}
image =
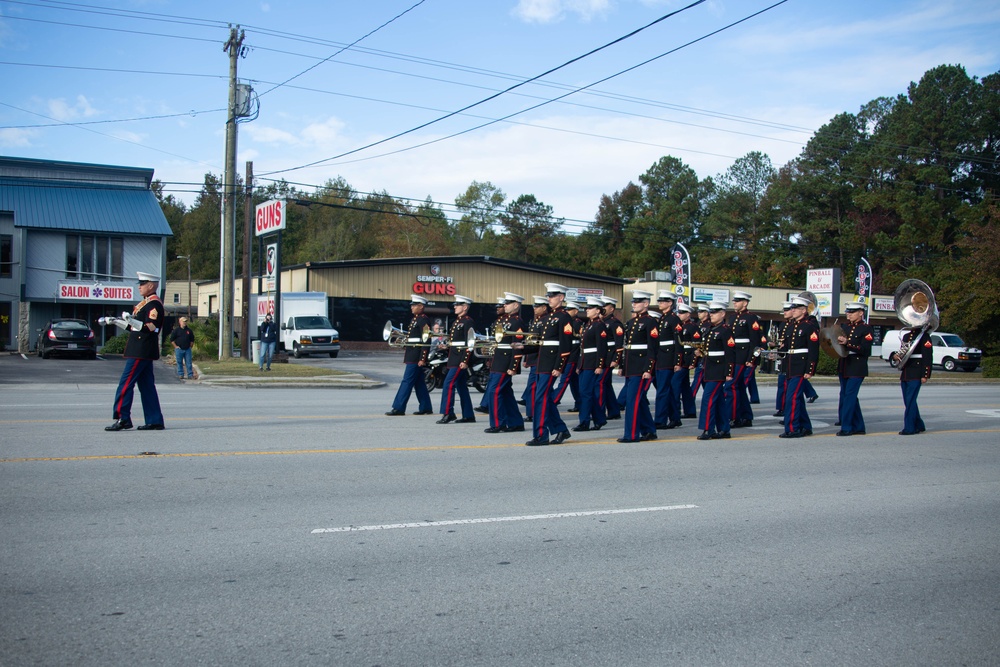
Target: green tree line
{"points": [[910, 182]]}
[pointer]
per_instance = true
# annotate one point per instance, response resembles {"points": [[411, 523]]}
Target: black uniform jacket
{"points": [[594, 345], [919, 364], [536, 325], [860, 337], [145, 344], [411, 353], [689, 334], [669, 352], [638, 353], [458, 351], [616, 336], [557, 342], [506, 358], [802, 343], [578, 324], [702, 336], [720, 358], [748, 334]]}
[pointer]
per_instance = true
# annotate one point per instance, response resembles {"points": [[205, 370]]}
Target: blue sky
{"points": [[763, 85]]}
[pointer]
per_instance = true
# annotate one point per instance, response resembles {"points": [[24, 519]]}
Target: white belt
{"points": [[549, 343], [501, 346], [850, 352], [717, 354], [457, 343], [667, 342], [611, 343], [413, 340], [589, 350], [689, 347], [915, 356], [799, 350], [636, 347], [741, 340]]}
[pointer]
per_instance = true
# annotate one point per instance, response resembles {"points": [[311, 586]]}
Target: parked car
{"points": [[66, 336], [949, 351]]}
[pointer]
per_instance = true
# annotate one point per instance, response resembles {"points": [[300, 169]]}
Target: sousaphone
{"points": [[917, 309]]}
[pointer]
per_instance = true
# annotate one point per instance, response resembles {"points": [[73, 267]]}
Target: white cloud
{"points": [[16, 138], [323, 134], [269, 135], [62, 110], [265, 7], [547, 11]]}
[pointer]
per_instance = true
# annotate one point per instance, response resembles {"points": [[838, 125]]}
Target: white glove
{"points": [[133, 324]]}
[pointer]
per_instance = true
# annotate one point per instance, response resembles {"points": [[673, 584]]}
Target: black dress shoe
{"points": [[447, 419], [736, 423], [778, 413], [513, 429], [581, 427], [483, 410], [791, 434], [424, 412], [901, 432], [690, 416], [721, 436], [561, 438], [493, 429], [812, 399], [119, 425], [647, 436], [626, 440], [598, 427], [676, 424], [396, 413], [921, 429], [659, 426], [535, 442], [466, 420], [521, 402], [705, 435], [806, 432], [573, 410], [747, 423], [754, 402], [844, 433], [836, 423], [614, 417], [860, 433], [782, 422], [150, 427]]}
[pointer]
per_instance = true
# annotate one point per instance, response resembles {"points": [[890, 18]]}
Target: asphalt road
{"points": [[294, 526]]}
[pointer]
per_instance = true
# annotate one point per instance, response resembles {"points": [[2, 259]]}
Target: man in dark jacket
{"points": [[182, 338], [268, 335], [913, 374], [802, 356], [141, 350]]}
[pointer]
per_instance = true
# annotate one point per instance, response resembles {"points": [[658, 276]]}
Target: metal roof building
{"points": [[72, 236]]}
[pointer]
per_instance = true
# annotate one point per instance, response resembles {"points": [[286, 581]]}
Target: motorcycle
{"points": [[437, 368]]}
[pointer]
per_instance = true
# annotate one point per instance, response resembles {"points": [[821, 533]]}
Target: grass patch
{"points": [[240, 368]]}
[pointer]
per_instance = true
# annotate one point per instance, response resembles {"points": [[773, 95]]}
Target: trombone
{"points": [[397, 337]]}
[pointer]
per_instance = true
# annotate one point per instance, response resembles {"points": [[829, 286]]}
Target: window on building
{"points": [[6, 255], [94, 257], [177, 297], [72, 255]]}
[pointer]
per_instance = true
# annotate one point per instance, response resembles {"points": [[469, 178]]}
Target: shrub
{"points": [[115, 345], [827, 365], [991, 367]]}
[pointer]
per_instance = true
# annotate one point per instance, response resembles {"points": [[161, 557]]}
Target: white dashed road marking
{"points": [[500, 519]]}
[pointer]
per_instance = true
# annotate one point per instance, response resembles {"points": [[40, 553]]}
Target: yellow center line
{"points": [[434, 448]]}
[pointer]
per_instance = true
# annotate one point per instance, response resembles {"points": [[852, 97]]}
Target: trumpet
{"points": [[397, 337], [484, 346]]}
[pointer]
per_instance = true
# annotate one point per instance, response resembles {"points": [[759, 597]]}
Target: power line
{"points": [[496, 95]]}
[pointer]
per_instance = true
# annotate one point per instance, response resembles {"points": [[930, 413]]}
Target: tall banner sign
{"points": [[825, 284], [271, 267], [680, 265], [864, 293]]}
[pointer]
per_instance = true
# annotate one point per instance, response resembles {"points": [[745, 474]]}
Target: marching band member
{"points": [[857, 338], [415, 358]]}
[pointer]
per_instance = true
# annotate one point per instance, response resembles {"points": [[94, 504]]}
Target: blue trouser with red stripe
{"points": [[912, 423], [546, 419], [611, 406], [738, 386], [681, 382], [851, 419], [668, 405], [504, 412], [638, 420], [137, 373], [413, 380], [796, 417], [591, 407], [714, 407], [457, 380], [567, 379]]}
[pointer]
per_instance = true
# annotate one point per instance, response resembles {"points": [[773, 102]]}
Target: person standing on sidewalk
{"points": [[182, 339], [268, 334]]}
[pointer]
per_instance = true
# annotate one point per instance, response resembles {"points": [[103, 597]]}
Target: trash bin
{"points": [[256, 352]]}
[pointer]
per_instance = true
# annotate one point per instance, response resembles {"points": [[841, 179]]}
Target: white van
{"points": [[950, 351]]}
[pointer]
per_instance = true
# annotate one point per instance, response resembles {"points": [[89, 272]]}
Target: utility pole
{"points": [[247, 247], [227, 272]]}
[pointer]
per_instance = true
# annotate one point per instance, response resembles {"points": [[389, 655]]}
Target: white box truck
{"points": [[305, 327], [949, 351]]}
